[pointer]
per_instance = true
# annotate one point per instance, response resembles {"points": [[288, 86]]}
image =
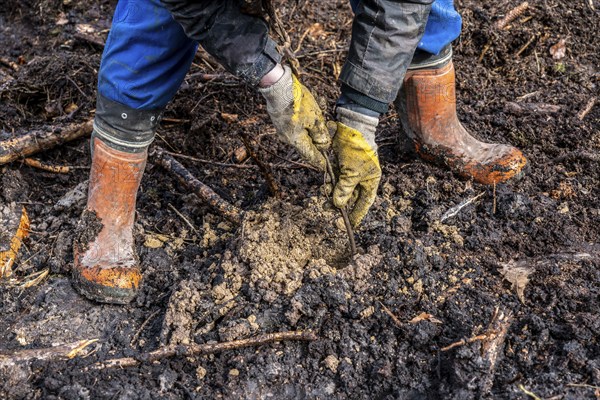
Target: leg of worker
{"points": [[427, 108], [385, 35], [145, 60], [240, 42]]}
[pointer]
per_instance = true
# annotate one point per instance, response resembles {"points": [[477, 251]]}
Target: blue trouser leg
{"points": [[150, 48], [146, 57], [145, 60]]}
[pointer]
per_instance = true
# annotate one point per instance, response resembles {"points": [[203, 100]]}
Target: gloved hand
{"points": [[358, 163], [298, 119]]}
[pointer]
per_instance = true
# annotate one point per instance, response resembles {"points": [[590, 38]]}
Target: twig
{"points": [[588, 107], [55, 353], [315, 53], [202, 349], [41, 140], [487, 46], [525, 46], [343, 211], [204, 192], [35, 278], [57, 169], [492, 347], [141, 328], [187, 221], [9, 255], [301, 165], [391, 314], [453, 211], [462, 342], [583, 385], [10, 64], [219, 164], [528, 393], [512, 15], [175, 120], [578, 155], [286, 47], [264, 167], [89, 38]]}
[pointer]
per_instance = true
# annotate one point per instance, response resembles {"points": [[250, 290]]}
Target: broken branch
{"points": [[203, 191], [40, 140], [202, 349], [55, 353]]}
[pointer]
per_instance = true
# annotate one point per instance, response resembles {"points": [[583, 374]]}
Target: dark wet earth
{"points": [[423, 280]]}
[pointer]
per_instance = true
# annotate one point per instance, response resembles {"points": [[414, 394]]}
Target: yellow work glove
{"points": [[359, 170], [297, 118]]}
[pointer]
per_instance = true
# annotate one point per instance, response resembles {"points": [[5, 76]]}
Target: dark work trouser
{"points": [[385, 36]]}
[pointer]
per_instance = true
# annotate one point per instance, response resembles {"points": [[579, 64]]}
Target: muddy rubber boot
{"points": [[106, 267], [427, 108]]}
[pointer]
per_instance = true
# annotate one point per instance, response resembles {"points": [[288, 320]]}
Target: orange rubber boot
{"points": [[427, 108], [106, 267]]}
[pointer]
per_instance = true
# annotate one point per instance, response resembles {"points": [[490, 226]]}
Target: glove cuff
{"points": [[365, 124], [279, 95]]}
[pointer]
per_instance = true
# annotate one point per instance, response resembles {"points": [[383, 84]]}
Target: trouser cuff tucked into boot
{"points": [[124, 128]]}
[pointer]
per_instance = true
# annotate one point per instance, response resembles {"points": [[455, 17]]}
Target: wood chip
{"points": [[518, 275]]}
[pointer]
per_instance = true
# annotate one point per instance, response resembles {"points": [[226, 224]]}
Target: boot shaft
{"points": [[115, 178]]}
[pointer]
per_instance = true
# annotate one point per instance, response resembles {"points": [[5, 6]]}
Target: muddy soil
{"points": [[421, 281]]}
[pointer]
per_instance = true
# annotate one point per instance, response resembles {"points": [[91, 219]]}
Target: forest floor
{"points": [[527, 250]]}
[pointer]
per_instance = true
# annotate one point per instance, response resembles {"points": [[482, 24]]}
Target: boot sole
{"points": [[103, 294]]}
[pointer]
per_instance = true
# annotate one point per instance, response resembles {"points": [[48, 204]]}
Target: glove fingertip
{"points": [[341, 196]]}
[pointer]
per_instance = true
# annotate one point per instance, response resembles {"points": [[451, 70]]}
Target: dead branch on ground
{"points": [[203, 349], [55, 353], [41, 140], [204, 192]]}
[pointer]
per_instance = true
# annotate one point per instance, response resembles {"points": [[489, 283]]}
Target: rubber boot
{"points": [[106, 267], [427, 109]]}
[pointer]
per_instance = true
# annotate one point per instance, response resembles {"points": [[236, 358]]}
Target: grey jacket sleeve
{"points": [[239, 41], [385, 35]]}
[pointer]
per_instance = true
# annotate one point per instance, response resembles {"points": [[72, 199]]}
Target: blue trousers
{"points": [[148, 52]]}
